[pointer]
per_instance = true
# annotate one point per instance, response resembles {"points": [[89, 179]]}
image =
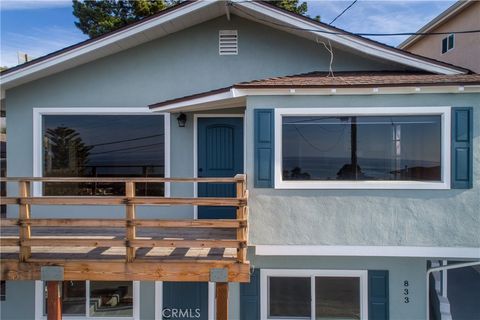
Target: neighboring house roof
{"points": [[234, 95], [443, 17], [190, 13]]}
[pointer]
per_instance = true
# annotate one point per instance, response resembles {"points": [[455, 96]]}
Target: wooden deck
{"points": [[129, 248]]}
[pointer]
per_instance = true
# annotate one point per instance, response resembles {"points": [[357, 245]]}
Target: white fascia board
{"points": [[349, 41], [101, 43], [358, 91], [223, 98], [368, 251]]}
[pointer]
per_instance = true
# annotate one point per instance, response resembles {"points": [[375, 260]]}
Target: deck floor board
{"points": [[105, 253]]}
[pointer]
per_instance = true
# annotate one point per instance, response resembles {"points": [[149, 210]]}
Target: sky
{"points": [[39, 27]]}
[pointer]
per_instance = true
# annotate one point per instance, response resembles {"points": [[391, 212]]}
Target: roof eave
{"points": [[218, 99], [237, 95]]}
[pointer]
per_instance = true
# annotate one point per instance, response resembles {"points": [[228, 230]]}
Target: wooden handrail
{"points": [[116, 201], [122, 223], [121, 180], [25, 241]]}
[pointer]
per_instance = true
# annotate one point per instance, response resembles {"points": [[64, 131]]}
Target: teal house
{"points": [[356, 166]]}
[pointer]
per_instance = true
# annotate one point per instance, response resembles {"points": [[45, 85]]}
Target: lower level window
{"points": [[105, 298], [314, 296], [289, 297]]}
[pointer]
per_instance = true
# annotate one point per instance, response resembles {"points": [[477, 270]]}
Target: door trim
{"points": [[195, 146]]}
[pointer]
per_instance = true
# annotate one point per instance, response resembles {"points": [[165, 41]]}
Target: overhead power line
{"points": [[344, 10], [341, 32]]}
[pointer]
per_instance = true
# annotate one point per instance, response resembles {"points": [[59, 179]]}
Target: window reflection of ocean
{"points": [[323, 168]]}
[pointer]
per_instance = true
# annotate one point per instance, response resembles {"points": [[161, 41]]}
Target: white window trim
{"points": [[37, 134], [39, 304], [265, 273], [444, 112]]}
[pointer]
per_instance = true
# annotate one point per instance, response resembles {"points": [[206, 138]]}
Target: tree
{"points": [[96, 17], [66, 151], [290, 5], [66, 155]]}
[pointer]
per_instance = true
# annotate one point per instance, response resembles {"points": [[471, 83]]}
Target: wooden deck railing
{"points": [[25, 222]]}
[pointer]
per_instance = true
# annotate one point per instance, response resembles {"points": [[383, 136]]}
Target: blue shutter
{"points": [[378, 295], [462, 153], [250, 297], [264, 146]]}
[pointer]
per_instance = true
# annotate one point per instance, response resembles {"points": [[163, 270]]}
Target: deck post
{"points": [[241, 215], [221, 295], [24, 217], [130, 219], [54, 304]]}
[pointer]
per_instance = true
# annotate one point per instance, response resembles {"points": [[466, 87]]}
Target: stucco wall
{"points": [[467, 46], [446, 218]]}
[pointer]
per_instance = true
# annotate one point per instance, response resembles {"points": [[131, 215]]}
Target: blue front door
{"points": [[185, 300], [220, 154]]}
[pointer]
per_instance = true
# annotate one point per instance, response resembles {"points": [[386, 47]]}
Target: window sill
{"points": [[362, 185]]}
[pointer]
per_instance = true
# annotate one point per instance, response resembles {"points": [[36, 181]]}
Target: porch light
{"points": [[182, 120]]}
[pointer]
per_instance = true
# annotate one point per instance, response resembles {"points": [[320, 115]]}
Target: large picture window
{"points": [[314, 294], [355, 150], [103, 146]]}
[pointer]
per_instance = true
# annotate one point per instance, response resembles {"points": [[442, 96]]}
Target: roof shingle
{"points": [[361, 79]]}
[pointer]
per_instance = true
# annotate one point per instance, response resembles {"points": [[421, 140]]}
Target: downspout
{"points": [[452, 266]]}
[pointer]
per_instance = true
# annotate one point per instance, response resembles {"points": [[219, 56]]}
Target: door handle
{"points": [[200, 169]]}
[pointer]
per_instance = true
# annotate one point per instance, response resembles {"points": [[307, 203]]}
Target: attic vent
{"points": [[228, 42]]}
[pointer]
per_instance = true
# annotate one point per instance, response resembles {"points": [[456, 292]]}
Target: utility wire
{"points": [[125, 140], [341, 13], [127, 148], [346, 33]]}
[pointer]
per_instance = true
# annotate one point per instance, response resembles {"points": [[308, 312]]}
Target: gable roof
{"points": [[189, 13], [323, 83], [443, 17]]}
